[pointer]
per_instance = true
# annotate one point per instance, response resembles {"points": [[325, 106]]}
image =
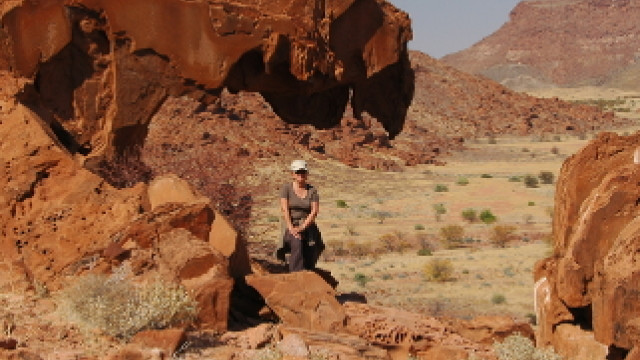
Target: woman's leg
{"points": [[296, 260]]}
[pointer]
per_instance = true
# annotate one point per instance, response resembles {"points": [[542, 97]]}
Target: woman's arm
{"points": [[315, 207], [284, 207]]}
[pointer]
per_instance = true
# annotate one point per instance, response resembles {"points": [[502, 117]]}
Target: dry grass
{"points": [[119, 308], [518, 347]]}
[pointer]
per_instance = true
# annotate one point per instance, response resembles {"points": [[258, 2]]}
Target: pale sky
{"points": [[441, 27]]}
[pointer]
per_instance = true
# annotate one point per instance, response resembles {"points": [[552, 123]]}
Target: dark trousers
{"points": [[305, 251]]}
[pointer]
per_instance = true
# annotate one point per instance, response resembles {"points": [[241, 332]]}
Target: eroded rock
{"points": [[593, 274]]}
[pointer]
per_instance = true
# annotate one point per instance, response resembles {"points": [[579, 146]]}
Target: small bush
{"points": [[441, 188], [121, 309], [518, 347], [487, 217], [471, 215], [351, 231], [418, 227], [555, 150], [361, 279], [525, 150], [530, 181], [452, 235], [438, 270], [486, 176], [424, 252], [273, 218], [395, 241], [492, 140], [502, 234], [439, 210], [462, 181], [359, 249], [546, 177], [498, 299], [336, 247], [515, 179], [531, 203], [341, 204], [381, 216]]}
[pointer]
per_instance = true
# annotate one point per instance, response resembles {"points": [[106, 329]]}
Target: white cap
{"points": [[298, 165]]}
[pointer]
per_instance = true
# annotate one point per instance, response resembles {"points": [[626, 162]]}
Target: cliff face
{"points": [[564, 43], [100, 69], [592, 278]]}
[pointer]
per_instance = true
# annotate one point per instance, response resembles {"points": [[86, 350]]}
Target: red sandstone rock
{"points": [[490, 329], [167, 340], [571, 342], [224, 238], [593, 272], [171, 189], [303, 57], [301, 299]]}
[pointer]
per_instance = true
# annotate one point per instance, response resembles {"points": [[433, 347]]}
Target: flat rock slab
{"points": [[301, 299]]}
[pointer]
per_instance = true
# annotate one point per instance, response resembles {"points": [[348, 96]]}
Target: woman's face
{"points": [[300, 176]]}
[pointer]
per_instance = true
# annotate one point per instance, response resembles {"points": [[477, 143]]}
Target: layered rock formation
{"points": [[102, 68], [591, 280], [564, 43]]}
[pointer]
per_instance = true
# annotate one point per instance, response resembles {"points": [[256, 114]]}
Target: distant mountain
{"points": [[561, 43]]}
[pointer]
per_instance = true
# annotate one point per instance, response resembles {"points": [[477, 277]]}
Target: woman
{"points": [[299, 203]]}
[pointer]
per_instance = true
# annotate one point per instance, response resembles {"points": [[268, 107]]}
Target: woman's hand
{"points": [[296, 232]]}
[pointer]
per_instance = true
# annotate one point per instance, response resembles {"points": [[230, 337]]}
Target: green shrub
{"points": [[462, 181], [361, 279], [486, 176], [530, 181], [424, 252], [439, 210], [452, 235], [438, 270], [441, 188], [525, 150], [471, 215], [487, 217], [531, 203], [418, 227], [546, 177], [515, 179], [501, 235], [341, 204], [498, 299], [119, 308]]}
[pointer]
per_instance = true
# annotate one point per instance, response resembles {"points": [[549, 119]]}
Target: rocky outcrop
{"points": [[592, 278], [560, 43], [101, 68]]}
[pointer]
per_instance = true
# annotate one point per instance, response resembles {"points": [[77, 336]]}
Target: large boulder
{"points": [[301, 299], [591, 280], [102, 68]]}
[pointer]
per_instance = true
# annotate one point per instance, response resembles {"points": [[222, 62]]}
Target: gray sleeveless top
{"points": [[299, 208]]}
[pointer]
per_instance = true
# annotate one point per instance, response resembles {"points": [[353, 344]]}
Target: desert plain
{"points": [[359, 208]]}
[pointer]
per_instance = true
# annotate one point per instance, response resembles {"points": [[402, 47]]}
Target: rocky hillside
{"points": [[560, 43]]}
